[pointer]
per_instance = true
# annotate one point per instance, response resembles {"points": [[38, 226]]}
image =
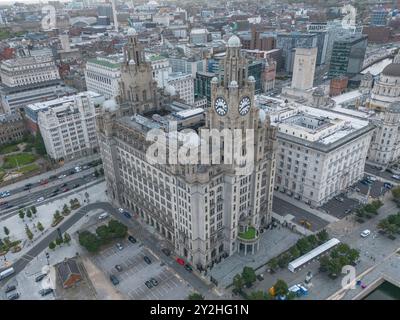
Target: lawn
{"points": [[18, 160], [9, 148], [249, 234], [29, 168]]}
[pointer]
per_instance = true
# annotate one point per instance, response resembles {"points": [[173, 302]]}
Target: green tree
{"points": [[57, 214], [96, 173], [33, 209], [117, 229], [281, 288], [283, 260], [258, 295], [52, 245], [273, 264], [39, 144], [66, 209], [195, 296], [40, 226], [89, 241], [59, 241], [238, 282], [21, 214], [29, 233], [6, 231], [67, 238], [322, 236], [249, 276], [295, 252], [104, 234], [303, 245], [29, 214]]}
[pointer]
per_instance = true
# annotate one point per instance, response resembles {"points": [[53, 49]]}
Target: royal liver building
{"points": [[202, 178]]}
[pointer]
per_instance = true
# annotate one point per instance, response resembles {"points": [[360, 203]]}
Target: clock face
{"points": [[220, 106], [244, 105]]}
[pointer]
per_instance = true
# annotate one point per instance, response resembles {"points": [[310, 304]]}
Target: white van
{"points": [[103, 216]]}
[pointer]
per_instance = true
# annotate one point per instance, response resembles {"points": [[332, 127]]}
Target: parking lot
{"points": [[135, 272], [338, 208]]}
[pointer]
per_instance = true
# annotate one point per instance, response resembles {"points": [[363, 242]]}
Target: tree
{"points": [[96, 173], [281, 288], [40, 226], [104, 234], [29, 214], [33, 210], [294, 252], [6, 231], [29, 233], [39, 144], [258, 295], [303, 245], [117, 229], [59, 241], [238, 282], [273, 264], [249, 276], [66, 209], [283, 260], [322, 236], [67, 238], [21, 214], [89, 241], [52, 245], [57, 214], [195, 296]]}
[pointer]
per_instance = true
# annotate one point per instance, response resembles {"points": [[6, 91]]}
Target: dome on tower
{"points": [[233, 83], [131, 32], [234, 41], [214, 80], [251, 79]]}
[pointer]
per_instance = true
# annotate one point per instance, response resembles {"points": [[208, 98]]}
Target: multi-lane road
{"points": [[42, 191]]}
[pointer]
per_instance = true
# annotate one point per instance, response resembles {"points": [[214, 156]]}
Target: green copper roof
{"points": [[105, 63], [156, 57]]}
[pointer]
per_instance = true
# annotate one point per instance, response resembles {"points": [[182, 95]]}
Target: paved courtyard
{"points": [[135, 272], [272, 243]]}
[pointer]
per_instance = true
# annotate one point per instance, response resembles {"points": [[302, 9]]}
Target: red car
{"points": [[180, 261], [65, 190], [43, 182]]}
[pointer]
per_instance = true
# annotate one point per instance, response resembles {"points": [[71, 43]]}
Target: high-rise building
{"points": [[347, 56], [288, 42], [320, 29], [161, 69], [202, 85], [206, 211], [102, 75], [183, 85], [378, 17], [304, 68]]}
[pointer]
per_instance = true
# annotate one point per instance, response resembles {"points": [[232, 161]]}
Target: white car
{"points": [[103, 216], [40, 199], [371, 178], [119, 246], [121, 210], [396, 176], [365, 233], [62, 176]]}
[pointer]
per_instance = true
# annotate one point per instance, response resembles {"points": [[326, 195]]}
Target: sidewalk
{"points": [[299, 204], [34, 179]]}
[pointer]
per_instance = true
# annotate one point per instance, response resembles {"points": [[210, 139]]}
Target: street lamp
{"points": [[47, 257]]}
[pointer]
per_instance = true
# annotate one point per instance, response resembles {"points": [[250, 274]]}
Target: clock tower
{"points": [[232, 96]]}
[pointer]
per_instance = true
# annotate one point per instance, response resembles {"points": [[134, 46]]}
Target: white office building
{"points": [[320, 153], [67, 126], [183, 85], [161, 69], [102, 75]]}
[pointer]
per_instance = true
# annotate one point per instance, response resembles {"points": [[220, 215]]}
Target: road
{"points": [[283, 208], [23, 198], [149, 240]]}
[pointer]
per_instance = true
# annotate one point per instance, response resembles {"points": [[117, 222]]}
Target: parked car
{"points": [[62, 176], [121, 210], [388, 185], [114, 280], [65, 190], [154, 282], [119, 246], [347, 211], [45, 292], [365, 233], [40, 277], [166, 251], [339, 199], [13, 296], [396, 176], [52, 177], [148, 284], [188, 267], [75, 186], [10, 288], [118, 267], [147, 259], [371, 178], [131, 239], [260, 277], [64, 185], [180, 261], [127, 214], [40, 199]]}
